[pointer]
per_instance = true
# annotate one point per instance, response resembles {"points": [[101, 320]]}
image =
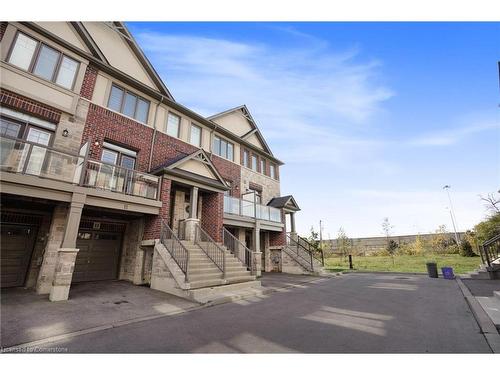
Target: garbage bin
{"points": [[432, 270], [447, 273]]}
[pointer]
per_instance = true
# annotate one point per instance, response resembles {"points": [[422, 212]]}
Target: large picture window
{"points": [[43, 61], [195, 136], [222, 148], [129, 104]]}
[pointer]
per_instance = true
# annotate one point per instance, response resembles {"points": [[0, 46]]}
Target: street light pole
{"points": [[452, 214]]}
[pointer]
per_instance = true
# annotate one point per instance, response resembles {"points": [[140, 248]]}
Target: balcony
{"points": [[22, 157], [240, 207]]}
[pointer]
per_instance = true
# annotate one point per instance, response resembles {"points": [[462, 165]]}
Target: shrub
{"points": [[466, 249]]}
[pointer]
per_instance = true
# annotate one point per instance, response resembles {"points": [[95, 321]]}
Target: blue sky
{"points": [[371, 119]]}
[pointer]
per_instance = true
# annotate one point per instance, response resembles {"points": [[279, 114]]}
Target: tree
{"points": [[343, 242], [492, 203], [488, 228], [466, 248], [313, 238], [387, 228]]}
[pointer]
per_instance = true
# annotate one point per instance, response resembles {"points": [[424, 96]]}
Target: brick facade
{"points": [[3, 27], [152, 225], [29, 106], [168, 149], [87, 89], [278, 238], [212, 215], [231, 172]]}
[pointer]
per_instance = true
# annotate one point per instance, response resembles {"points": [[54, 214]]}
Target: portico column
{"points": [[256, 253], [192, 220], [66, 255], [293, 233]]}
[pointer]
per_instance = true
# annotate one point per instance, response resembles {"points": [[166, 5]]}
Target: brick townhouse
{"points": [[104, 176]]}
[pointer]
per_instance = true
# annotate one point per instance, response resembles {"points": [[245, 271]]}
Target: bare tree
{"points": [[492, 202], [387, 229]]}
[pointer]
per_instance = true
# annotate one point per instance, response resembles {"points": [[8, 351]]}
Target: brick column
{"points": [[212, 212], [153, 223]]}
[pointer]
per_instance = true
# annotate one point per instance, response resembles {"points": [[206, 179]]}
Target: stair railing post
{"points": [[224, 265], [312, 262]]}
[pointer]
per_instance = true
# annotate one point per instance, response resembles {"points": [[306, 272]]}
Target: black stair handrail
{"points": [[490, 250], [213, 251], [235, 246], [309, 247], [175, 248], [300, 253]]}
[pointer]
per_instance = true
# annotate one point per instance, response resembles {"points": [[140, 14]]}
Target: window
{"points": [[223, 148], [262, 166], [46, 62], [43, 61], [254, 163], [39, 136], [245, 158], [129, 104], [195, 137], [272, 171], [173, 125], [117, 155], [9, 128]]}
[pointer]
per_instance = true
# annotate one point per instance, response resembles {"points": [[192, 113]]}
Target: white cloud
{"points": [[452, 136]]}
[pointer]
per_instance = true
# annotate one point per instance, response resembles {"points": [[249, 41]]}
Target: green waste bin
{"points": [[432, 270]]}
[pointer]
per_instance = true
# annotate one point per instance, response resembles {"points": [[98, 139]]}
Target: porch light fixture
{"points": [[65, 133]]}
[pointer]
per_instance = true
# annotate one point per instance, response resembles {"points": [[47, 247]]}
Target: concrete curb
{"points": [[220, 301], [385, 272], [486, 326]]}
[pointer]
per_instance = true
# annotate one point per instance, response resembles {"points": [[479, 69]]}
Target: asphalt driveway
{"points": [[355, 313]]}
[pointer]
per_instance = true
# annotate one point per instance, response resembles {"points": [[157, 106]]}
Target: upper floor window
{"points": [[245, 158], [223, 148], [44, 61], [117, 155], [195, 136], [272, 171], [129, 104], [254, 163], [173, 125], [26, 131], [262, 166]]}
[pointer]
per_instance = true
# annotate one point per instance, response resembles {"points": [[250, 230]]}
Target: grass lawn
{"points": [[404, 263]]}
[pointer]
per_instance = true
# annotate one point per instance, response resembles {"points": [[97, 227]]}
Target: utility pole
{"points": [[452, 213], [320, 235]]}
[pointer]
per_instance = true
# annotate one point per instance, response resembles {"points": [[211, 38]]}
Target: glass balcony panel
{"points": [[275, 214], [13, 155], [247, 208], [231, 205]]}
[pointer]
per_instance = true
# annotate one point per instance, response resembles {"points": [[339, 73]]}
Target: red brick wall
{"points": [[212, 215], [153, 222], [29, 106], [167, 149], [278, 238], [89, 82], [103, 124], [3, 27], [229, 171]]}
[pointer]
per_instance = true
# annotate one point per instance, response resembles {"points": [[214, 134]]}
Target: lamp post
{"points": [[452, 213]]}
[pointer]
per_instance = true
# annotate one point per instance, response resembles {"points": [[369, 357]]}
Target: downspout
{"points": [[154, 135]]}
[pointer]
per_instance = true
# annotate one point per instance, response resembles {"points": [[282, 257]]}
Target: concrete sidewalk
{"points": [[27, 317]]}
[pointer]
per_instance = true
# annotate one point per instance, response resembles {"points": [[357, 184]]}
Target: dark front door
{"points": [[17, 242], [98, 256]]}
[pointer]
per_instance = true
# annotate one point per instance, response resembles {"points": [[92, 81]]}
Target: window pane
{"points": [[38, 136], [46, 62], [230, 151], [195, 138], [9, 129], [223, 148], [216, 146], [128, 162], [254, 162], [173, 123], [245, 158], [129, 104], [142, 110], [115, 98], [23, 51], [272, 171], [67, 71], [262, 166], [109, 156]]}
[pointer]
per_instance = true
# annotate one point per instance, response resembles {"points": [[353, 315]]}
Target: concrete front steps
{"points": [[481, 273]]}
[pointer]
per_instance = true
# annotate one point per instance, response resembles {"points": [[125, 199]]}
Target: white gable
{"points": [[197, 167], [65, 31], [235, 122], [117, 51], [254, 140]]}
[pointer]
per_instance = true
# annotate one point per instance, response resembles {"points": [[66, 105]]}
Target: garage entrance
{"points": [[100, 244]]}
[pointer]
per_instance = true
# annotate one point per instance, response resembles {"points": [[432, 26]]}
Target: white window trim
{"points": [[120, 149], [27, 118]]}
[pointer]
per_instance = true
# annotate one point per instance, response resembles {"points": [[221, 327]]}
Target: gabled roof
{"points": [[121, 29], [287, 202], [243, 110], [175, 167]]}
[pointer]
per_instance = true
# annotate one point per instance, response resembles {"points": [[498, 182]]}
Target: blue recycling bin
{"points": [[447, 273]]}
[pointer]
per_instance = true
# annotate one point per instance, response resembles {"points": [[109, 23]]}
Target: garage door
{"points": [[17, 242], [98, 256]]}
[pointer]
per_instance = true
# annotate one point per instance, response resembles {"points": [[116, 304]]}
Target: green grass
{"points": [[404, 263]]}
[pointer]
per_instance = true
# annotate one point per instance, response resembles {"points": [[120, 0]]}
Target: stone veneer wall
{"points": [[270, 187], [131, 245]]}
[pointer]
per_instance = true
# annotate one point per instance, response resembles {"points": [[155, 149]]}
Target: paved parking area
{"points": [[355, 313], [26, 316]]}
